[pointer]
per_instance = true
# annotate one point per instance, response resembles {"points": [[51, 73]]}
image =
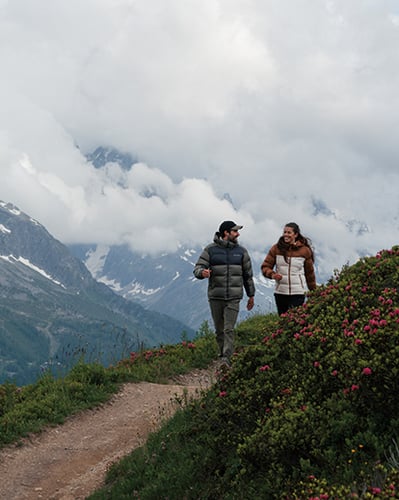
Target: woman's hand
{"points": [[277, 276]]}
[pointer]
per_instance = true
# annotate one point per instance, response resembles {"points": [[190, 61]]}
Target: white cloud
{"points": [[276, 106]]}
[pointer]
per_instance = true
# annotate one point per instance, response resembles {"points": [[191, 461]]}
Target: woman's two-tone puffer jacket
{"points": [[231, 270], [297, 269]]}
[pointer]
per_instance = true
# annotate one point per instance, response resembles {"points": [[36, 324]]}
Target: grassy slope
{"points": [[309, 410]]}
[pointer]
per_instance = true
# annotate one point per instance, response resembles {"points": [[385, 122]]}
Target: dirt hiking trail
{"points": [[69, 462]]}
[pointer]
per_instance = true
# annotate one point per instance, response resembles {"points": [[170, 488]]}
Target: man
{"points": [[228, 267]]}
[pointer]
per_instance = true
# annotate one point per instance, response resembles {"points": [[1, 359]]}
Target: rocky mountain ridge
{"points": [[52, 309]]}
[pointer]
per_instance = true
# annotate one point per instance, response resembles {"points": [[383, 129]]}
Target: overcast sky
{"points": [[286, 106]]}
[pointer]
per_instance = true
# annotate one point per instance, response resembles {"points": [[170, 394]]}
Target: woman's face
{"points": [[289, 235]]}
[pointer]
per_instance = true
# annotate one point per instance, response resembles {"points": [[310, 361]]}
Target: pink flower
{"points": [[316, 364], [222, 394], [383, 322], [358, 341], [334, 373], [355, 387], [367, 371], [264, 368], [297, 336]]}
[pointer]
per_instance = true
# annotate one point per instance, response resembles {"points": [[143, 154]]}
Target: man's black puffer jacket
{"points": [[231, 270]]}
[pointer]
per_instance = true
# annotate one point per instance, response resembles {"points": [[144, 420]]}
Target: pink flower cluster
{"points": [[352, 388], [349, 329], [189, 345]]}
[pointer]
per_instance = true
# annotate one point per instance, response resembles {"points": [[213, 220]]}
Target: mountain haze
{"points": [[163, 282]]}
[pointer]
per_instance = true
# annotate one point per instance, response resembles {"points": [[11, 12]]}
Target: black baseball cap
{"points": [[229, 225]]}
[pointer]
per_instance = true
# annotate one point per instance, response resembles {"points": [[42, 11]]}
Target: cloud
{"points": [[286, 110]]}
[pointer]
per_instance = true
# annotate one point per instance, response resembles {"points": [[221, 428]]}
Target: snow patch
{"points": [[4, 229], [27, 263], [138, 289], [114, 285], [96, 259], [190, 253]]}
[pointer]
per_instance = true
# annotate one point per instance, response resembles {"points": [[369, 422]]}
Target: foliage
{"points": [[309, 409]]}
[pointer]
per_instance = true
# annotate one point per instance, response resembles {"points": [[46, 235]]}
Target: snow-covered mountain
{"points": [[51, 308], [164, 283]]}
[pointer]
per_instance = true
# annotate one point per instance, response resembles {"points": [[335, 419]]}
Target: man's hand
{"points": [[250, 303], [206, 273]]}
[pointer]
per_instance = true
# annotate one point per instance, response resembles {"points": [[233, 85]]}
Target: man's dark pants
{"points": [[224, 315]]}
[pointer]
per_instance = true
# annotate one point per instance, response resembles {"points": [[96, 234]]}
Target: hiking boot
{"points": [[225, 362]]}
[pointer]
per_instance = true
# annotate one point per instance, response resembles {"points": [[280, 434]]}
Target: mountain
{"points": [[101, 156], [53, 310], [163, 283]]}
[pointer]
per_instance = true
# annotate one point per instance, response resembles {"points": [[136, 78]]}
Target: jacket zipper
{"points": [[227, 272]]}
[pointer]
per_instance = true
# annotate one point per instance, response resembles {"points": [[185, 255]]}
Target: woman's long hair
{"points": [[284, 247]]}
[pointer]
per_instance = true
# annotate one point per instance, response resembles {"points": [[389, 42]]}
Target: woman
{"points": [[290, 263]]}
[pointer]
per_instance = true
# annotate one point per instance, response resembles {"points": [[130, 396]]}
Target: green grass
{"points": [[51, 399]]}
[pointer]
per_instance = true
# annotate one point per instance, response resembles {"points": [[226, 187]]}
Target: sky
{"points": [[259, 111]]}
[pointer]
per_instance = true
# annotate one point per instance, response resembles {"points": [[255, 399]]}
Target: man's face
{"points": [[233, 235]]}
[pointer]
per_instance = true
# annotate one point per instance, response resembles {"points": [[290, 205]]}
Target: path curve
{"points": [[69, 462]]}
